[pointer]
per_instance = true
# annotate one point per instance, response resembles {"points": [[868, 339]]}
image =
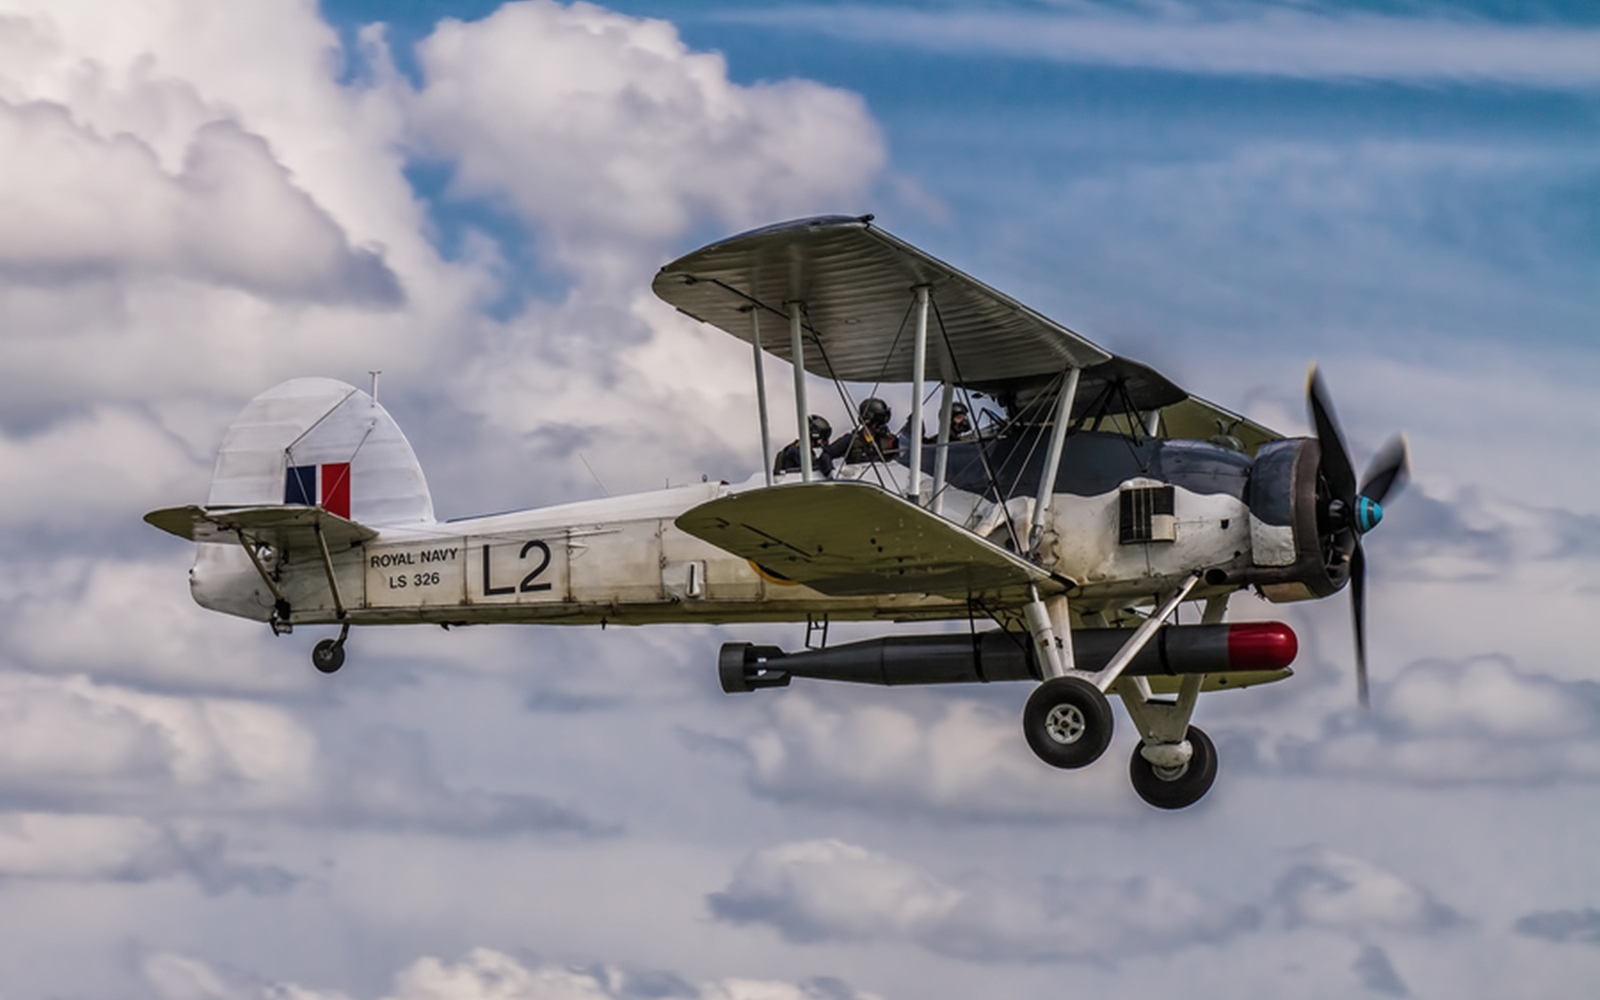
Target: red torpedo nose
{"points": [[1261, 646]]}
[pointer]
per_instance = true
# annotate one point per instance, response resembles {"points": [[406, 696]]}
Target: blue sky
{"points": [[209, 199]]}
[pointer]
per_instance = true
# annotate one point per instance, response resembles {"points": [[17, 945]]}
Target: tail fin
{"points": [[320, 442]]}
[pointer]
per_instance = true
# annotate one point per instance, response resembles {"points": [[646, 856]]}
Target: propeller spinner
{"points": [[1347, 511]]}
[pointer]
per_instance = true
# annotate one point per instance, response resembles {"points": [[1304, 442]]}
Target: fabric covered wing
{"points": [[857, 284], [280, 526], [856, 539]]}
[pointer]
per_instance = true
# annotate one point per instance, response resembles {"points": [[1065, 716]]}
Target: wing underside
{"points": [[849, 539], [856, 284]]}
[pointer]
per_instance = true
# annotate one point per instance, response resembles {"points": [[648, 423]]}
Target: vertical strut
{"points": [[941, 454], [761, 394], [797, 351], [1052, 464], [919, 362], [327, 567]]}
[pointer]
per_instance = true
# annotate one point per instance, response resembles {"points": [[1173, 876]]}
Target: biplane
{"points": [[1093, 499]]}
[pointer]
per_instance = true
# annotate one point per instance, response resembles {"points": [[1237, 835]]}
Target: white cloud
{"points": [[480, 974], [75, 205], [202, 207], [73, 742], [946, 757], [612, 142], [1483, 721], [135, 622], [1232, 40], [606, 132], [831, 890], [1328, 889], [94, 471], [82, 848]]}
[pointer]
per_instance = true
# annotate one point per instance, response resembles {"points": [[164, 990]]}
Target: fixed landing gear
{"points": [[1181, 785], [1067, 722], [328, 655]]}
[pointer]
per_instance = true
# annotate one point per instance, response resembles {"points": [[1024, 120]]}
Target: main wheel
{"points": [[328, 655], [1067, 722], [1182, 787]]}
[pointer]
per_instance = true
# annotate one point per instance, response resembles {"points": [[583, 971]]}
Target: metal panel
{"points": [[857, 285]]}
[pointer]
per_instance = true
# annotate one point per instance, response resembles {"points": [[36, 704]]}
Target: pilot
{"points": [[789, 457], [872, 441], [961, 427], [960, 423]]}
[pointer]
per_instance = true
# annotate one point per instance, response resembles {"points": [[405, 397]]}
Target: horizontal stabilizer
{"points": [[856, 539], [283, 526]]}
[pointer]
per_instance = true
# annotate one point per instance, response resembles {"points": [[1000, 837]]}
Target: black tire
{"points": [[328, 656], [1184, 789], [1067, 722]]}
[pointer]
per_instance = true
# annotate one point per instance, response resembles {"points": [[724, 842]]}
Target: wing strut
{"points": [[941, 454], [919, 364], [802, 416], [327, 567], [761, 393], [1052, 461]]}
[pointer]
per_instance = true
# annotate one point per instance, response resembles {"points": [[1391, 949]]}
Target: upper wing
{"points": [[281, 526], [857, 285], [850, 539]]}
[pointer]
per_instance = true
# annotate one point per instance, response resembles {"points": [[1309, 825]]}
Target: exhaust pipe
{"points": [[1007, 656]]}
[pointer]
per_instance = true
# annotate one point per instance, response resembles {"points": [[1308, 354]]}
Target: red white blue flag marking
{"points": [[326, 486]]}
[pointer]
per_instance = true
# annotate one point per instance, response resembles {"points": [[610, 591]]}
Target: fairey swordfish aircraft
{"points": [[1093, 499]]}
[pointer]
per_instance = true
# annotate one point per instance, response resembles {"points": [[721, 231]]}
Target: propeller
{"points": [[1347, 511]]}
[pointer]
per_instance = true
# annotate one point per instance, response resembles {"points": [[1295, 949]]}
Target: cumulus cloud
{"points": [[197, 205], [484, 974], [829, 890], [608, 133], [70, 741], [614, 144], [947, 757], [1483, 721], [83, 848], [91, 472], [75, 206], [1328, 889]]}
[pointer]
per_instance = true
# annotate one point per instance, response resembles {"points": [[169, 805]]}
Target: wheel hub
{"points": [[1065, 724], [1168, 760]]}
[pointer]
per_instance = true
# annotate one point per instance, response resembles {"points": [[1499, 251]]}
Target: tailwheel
{"points": [[328, 655], [1180, 786], [1067, 722]]}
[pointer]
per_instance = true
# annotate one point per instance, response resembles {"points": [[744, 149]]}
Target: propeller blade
{"points": [[1389, 470], [1336, 465], [1358, 611]]}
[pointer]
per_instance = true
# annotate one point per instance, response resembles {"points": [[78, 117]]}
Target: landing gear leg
{"points": [[1175, 763], [1067, 721], [328, 655]]}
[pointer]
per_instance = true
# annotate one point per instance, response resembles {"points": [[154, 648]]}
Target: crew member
{"points": [[960, 424], [872, 441], [789, 457]]}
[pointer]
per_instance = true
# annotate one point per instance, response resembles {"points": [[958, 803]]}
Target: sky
{"points": [[198, 200]]}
